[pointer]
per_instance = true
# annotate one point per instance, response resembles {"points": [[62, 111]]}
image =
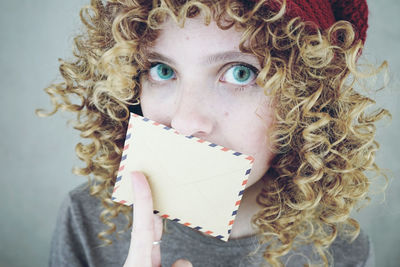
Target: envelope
{"points": [[193, 182]]}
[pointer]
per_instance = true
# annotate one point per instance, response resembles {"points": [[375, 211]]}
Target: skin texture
{"points": [[207, 101]]}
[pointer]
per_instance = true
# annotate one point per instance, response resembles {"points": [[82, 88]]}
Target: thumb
{"points": [[182, 263]]}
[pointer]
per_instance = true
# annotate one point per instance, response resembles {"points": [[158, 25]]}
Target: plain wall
{"points": [[37, 154]]}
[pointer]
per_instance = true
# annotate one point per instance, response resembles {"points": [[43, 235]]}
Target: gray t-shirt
{"points": [[75, 242]]}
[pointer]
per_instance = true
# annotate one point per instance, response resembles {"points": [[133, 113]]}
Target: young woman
{"points": [[269, 79]]}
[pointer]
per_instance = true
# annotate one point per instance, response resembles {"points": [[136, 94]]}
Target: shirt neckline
{"points": [[210, 240]]}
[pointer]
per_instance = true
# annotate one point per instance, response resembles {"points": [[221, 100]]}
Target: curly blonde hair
{"points": [[323, 137]]}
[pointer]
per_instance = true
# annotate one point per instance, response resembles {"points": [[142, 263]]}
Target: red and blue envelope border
{"points": [[166, 216]]}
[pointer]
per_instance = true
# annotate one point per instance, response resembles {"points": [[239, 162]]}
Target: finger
{"points": [[142, 236], [158, 229], [182, 263], [143, 203]]}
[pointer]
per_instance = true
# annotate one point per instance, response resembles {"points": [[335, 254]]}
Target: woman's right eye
{"points": [[161, 72]]}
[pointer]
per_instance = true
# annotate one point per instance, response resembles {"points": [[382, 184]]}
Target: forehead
{"points": [[195, 33], [197, 27], [198, 42]]}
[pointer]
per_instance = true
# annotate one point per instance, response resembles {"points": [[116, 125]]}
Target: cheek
{"points": [[253, 141], [254, 133], [262, 160], [154, 109], [259, 145], [148, 108]]}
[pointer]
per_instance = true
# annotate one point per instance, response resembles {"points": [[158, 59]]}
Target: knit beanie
{"points": [[324, 13]]}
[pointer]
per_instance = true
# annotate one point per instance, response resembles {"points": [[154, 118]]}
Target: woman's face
{"points": [[202, 85]]}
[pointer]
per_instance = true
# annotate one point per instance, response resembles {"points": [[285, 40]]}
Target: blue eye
{"points": [[239, 74], [161, 72]]}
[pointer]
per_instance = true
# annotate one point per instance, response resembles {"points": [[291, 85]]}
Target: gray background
{"points": [[37, 154]]}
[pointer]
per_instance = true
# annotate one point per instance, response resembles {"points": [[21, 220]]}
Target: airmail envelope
{"points": [[193, 182]]}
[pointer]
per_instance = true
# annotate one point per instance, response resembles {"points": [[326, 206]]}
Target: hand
{"points": [[147, 227]]}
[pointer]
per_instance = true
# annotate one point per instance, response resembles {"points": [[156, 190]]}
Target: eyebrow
{"points": [[214, 58]]}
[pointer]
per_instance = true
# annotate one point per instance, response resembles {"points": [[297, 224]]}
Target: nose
{"points": [[192, 114]]}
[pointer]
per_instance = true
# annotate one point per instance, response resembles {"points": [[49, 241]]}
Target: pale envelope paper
{"points": [[193, 182]]}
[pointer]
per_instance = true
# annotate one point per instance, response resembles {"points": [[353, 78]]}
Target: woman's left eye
{"points": [[240, 75]]}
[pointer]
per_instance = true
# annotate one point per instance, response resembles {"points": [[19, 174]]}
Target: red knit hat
{"points": [[326, 12]]}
